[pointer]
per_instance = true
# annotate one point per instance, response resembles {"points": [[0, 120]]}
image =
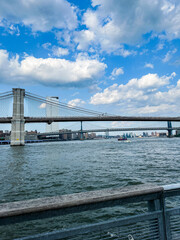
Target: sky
{"points": [[119, 57]]}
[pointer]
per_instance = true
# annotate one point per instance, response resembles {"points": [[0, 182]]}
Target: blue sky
{"points": [[118, 56]]}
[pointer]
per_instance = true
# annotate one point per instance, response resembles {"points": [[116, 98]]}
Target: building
{"points": [[162, 135], [65, 134], [52, 110], [5, 135], [178, 133], [89, 135], [74, 136]]}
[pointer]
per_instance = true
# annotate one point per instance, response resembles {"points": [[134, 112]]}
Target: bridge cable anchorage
{"points": [[62, 105]]}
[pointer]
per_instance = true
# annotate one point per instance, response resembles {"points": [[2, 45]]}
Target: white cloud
{"points": [[39, 15], [50, 71], [13, 30], [120, 124], [84, 39], [135, 98], [116, 72], [65, 38], [160, 46], [135, 91], [76, 102], [74, 94], [154, 109], [169, 55], [171, 96], [42, 106], [94, 88], [149, 65], [46, 45], [114, 23], [58, 51]]}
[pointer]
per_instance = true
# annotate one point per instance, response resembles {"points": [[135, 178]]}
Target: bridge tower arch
{"points": [[17, 122]]}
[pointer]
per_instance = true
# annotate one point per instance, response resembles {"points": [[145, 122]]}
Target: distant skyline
{"points": [[120, 57]]}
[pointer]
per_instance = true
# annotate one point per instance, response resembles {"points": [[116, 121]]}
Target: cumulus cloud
{"points": [[149, 65], [135, 91], [58, 51], [114, 23], [50, 71], [84, 38], [76, 102], [154, 109], [117, 71], [39, 15], [94, 88]]}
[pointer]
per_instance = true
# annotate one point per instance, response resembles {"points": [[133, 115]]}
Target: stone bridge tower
{"points": [[17, 122]]}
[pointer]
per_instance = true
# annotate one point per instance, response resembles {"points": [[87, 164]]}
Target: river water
{"points": [[57, 168]]}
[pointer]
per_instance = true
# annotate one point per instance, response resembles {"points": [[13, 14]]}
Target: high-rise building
{"points": [[52, 110]]}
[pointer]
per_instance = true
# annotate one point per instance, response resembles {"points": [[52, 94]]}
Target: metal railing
{"points": [[160, 220]]}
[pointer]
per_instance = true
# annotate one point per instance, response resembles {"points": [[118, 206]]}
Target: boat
{"points": [[122, 139]]}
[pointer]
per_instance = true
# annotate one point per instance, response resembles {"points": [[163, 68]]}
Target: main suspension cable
{"points": [[62, 105], [6, 96]]}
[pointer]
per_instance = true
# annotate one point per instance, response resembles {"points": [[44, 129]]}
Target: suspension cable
{"points": [[62, 105], [4, 93], [6, 96]]}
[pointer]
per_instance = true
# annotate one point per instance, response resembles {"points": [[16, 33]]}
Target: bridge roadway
{"points": [[109, 130], [49, 120]]}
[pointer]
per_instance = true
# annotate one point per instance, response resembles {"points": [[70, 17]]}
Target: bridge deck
{"points": [[90, 119]]}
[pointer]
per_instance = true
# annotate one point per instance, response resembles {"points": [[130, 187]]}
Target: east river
{"points": [[57, 168]]}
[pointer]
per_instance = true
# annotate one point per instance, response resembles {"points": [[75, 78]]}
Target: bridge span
{"points": [[49, 120], [110, 130]]}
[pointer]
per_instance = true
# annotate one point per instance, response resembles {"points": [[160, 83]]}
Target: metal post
{"points": [[158, 205], [17, 122]]}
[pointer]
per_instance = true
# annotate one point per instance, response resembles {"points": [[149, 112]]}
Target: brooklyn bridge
{"points": [[75, 114]]}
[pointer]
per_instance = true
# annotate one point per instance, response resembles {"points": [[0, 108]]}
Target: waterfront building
{"points": [[86, 135], [178, 133], [92, 135], [162, 135], [65, 134], [74, 136]]}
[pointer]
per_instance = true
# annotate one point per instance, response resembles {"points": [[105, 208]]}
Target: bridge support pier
{"points": [[107, 133], [169, 128], [17, 122], [81, 131]]}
